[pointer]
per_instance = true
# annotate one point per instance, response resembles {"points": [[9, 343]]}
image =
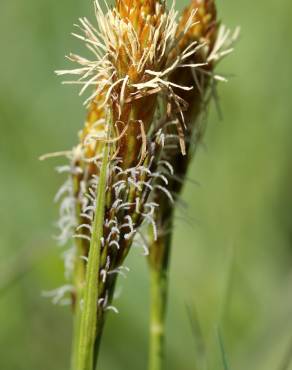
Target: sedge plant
{"points": [[149, 80]]}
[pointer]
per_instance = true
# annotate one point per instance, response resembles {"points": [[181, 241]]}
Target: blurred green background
{"points": [[232, 259]]}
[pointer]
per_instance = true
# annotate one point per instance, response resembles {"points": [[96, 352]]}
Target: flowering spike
{"points": [[130, 76], [148, 76]]}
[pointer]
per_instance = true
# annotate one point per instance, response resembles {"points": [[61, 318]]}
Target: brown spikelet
{"points": [[203, 31]]}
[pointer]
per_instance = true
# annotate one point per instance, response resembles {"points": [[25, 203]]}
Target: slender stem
{"points": [[88, 317], [79, 274], [159, 263], [157, 319]]}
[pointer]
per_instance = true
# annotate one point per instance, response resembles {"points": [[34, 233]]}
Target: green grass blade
{"points": [[89, 322]]}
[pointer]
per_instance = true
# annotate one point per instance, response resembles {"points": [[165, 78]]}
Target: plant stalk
{"points": [[159, 263], [157, 319], [89, 324]]}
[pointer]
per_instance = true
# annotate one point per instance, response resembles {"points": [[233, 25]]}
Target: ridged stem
{"points": [[157, 319], [159, 263], [88, 318]]}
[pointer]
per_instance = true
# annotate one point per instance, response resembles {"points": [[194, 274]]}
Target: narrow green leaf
{"points": [[89, 323]]}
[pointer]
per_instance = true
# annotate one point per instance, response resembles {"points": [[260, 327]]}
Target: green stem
{"points": [[159, 263], [88, 316], [79, 274], [157, 319]]}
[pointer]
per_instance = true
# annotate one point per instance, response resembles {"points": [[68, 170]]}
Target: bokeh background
{"points": [[232, 261]]}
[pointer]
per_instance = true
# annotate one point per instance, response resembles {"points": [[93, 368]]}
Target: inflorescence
{"points": [[150, 80]]}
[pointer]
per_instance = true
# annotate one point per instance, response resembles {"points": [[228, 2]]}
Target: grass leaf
{"points": [[89, 323]]}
